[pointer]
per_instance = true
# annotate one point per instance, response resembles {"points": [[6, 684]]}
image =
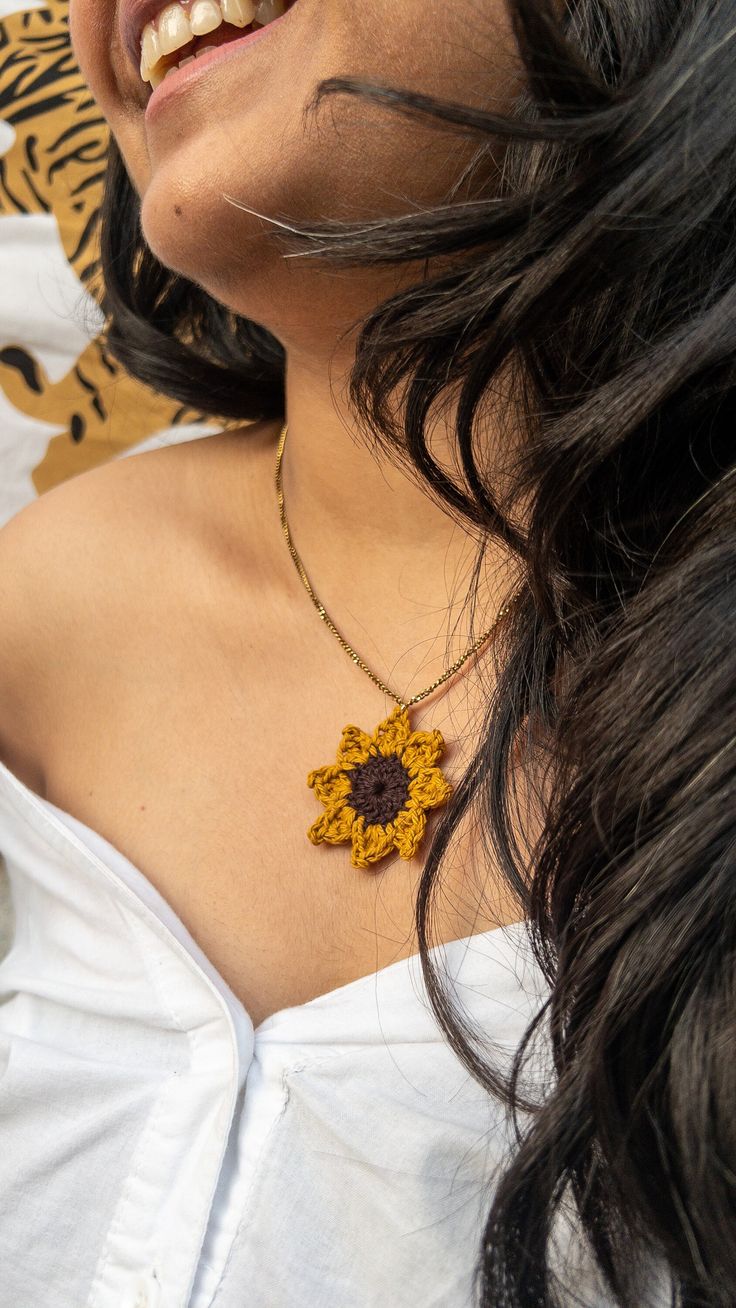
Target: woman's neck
{"points": [[382, 556]]}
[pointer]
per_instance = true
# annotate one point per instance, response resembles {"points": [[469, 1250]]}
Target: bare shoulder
{"points": [[81, 567], [52, 556], [96, 529], [58, 545]]}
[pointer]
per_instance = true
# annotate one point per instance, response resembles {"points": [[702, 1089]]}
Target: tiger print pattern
{"points": [[54, 166]]}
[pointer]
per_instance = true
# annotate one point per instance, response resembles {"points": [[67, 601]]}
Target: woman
{"points": [[434, 664]]}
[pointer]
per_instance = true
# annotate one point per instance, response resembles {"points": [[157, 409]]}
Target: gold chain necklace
{"points": [[378, 791]]}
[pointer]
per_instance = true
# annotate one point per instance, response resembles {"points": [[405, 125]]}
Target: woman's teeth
{"points": [[178, 25]]}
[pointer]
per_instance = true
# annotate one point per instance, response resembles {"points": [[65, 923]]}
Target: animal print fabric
{"points": [[65, 405]]}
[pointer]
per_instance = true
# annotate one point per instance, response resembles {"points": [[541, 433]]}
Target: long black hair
{"points": [[602, 262]]}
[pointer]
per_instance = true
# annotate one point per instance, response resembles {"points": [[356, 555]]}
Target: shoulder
{"points": [[51, 556], [59, 544], [79, 568]]}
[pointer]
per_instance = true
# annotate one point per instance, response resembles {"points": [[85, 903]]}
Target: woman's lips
{"points": [[178, 81], [133, 16]]}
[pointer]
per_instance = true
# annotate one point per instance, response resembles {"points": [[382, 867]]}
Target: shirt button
{"points": [[148, 1293]]}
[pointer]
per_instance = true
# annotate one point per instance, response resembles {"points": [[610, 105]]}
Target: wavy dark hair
{"points": [[602, 262]]}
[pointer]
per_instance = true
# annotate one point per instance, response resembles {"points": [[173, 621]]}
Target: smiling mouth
{"points": [[181, 32]]}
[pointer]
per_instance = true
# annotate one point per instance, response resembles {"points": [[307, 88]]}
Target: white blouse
{"points": [[158, 1152]]}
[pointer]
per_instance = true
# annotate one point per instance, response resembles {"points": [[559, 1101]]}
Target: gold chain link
{"points": [[328, 620]]}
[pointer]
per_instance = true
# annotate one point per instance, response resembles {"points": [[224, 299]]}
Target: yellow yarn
{"points": [[426, 787]]}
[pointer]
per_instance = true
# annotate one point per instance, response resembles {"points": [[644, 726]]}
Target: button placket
{"points": [[148, 1292]]}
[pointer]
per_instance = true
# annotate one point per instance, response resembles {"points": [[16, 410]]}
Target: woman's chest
{"points": [[193, 763], [184, 720]]}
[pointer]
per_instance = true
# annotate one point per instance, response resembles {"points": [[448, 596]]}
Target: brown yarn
{"points": [[378, 789]]}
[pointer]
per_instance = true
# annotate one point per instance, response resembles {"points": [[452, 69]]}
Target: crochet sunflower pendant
{"points": [[377, 793]]}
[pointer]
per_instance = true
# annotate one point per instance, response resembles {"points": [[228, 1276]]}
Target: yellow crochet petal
{"points": [[334, 825], [370, 843], [430, 788], [353, 748], [391, 735], [422, 751], [329, 783], [409, 827]]}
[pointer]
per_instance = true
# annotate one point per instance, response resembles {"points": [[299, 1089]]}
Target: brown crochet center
{"points": [[379, 789]]}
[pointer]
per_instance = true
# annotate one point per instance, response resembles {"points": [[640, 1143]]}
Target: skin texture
{"points": [[350, 159], [261, 150], [219, 643]]}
